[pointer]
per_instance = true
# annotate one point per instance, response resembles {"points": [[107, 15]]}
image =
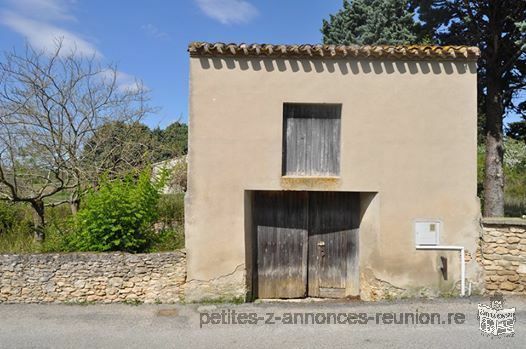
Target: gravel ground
{"points": [[191, 326]]}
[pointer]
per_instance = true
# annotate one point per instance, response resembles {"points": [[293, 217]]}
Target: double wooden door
{"points": [[306, 244]]}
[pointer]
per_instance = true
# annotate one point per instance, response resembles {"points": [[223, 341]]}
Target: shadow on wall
{"points": [[343, 67]]}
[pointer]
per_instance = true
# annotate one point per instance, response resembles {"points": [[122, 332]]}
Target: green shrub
{"points": [[16, 233], [515, 191], [18, 240], [171, 209], [15, 216], [169, 239], [59, 233], [7, 216], [514, 177], [16, 236], [170, 223], [119, 216], [514, 153]]}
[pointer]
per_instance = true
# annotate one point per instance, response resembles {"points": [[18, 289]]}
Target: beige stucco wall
{"points": [[408, 134]]}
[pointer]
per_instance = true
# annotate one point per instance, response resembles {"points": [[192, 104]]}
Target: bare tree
{"points": [[51, 105]]}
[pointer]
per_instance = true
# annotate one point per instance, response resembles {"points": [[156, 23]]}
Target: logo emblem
{"points": [[494, 320]]}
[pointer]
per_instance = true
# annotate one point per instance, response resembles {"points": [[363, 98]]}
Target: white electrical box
{"points": [[427, 232]]}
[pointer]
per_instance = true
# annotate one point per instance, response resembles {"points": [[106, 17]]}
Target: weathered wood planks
{"points": [[311, 140], [307, 244]]}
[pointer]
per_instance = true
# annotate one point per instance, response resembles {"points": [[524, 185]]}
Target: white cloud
{"points": [[42, 35], [44, 9], [128, 82], [154, 31], [36, 20], [39, 22], [228, 11], [124, 81]]}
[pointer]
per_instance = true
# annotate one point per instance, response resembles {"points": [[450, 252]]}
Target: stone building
{"points": [[331, 171]]}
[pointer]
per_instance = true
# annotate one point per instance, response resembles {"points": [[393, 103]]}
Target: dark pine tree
{"points": [[371, 22], [498, 28]]}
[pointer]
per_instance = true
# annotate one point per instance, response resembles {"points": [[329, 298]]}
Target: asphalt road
{"points": [[191, 326]]}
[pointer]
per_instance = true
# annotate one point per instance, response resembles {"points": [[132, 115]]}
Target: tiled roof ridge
{"points": [[336, 51]]}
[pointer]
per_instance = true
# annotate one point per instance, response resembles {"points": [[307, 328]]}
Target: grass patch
{"points": [[222, 300], [514, 177], [515, 207], [15, 228], [449, 294], [17, 241]]}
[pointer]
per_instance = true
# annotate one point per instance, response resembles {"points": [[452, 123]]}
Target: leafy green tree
{"points": [[517, 130], [498, 28], [118, 147], [172, 141], [371, 22], [119, 216]]}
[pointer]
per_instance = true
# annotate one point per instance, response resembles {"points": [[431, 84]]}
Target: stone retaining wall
{"points": [[92, 277], [161, 277], [502, 255]]}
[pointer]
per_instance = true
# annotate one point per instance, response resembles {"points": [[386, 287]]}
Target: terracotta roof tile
{"points": [[335, 51]]}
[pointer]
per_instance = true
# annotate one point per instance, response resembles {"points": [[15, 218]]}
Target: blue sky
{"points": [[148, 39]]}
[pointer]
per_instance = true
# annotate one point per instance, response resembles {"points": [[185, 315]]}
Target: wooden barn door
{"points": [[281, 220], [333, 244], [307, 244]]}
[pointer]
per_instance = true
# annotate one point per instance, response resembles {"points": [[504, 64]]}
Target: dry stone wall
{"points": [[161, 277], [502, 255], [92, 277]]}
